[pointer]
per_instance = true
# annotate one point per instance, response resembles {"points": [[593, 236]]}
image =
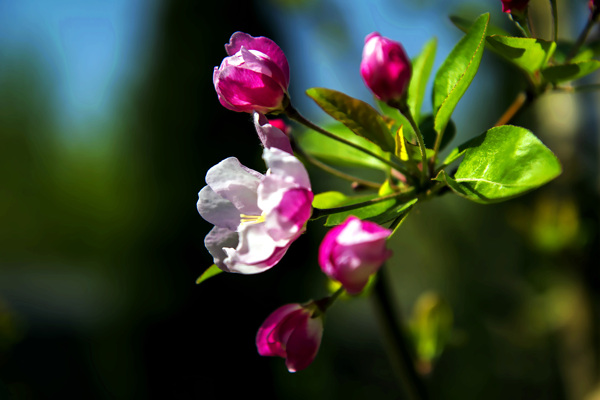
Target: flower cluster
{"points": [[257, 216]]}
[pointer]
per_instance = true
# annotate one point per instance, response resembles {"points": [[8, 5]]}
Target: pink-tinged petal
{"points": [[218, 239], [288, 219], [287, 166], [385, 67], [303, 344], [217, 210], [326, 249], [291, 332], [254, 251], [263, 45], [271, 136], [353, 251], [356, 232], [246, 90], [264, 338], [236, 183]]}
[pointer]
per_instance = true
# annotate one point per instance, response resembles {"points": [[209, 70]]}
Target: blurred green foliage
{"points": [[101, 245]]}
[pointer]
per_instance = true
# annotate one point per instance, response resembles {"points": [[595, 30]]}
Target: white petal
{"points": [[217, 210], [216, 241], [236, 183], [286, 166]]}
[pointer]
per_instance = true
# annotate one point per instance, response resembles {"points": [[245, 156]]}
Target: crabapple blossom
{"points": [[293, 332], [256, 216], [351, 252], [385, 67], [254, 77]]}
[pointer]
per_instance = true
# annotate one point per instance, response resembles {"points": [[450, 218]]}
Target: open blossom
{"points": [[255, 76], [511, 6], [292, 332], [256, 216], [351, 252], [270, 134], [385, 67]]}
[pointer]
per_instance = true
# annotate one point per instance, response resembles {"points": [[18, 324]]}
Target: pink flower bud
{"points": [[594, 5], [255, 76], [385, 68], [512, 6], [293, 332], [353, 251]]}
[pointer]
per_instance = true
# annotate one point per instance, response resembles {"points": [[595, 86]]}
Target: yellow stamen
{"points": [[251, 219]]}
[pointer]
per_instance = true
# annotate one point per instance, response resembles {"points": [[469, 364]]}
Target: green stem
{"points": [[583, 35], [401, 357], [408, 115], [401, 196], [333, 171], [293, 114], [326, 302], [554, 19]]}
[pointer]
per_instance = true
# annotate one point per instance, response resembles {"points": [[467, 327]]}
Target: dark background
{"points": [[101, 244]]}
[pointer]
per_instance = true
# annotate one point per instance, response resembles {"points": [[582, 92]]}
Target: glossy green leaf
{"points": [[465, 24], [528, 54], [393, 213], [329, 199], [357, 115], [335, 153], [459, 151], [570, 72], [457, 72], [209, 273], [421, 69], [367, 212], [504, 162]]}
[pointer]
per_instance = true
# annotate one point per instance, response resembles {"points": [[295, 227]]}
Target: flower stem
{"points": [[293, 114], [333, 171], [401, 196], [517, 105], [401, 357], [583, 35], [554, 19]]}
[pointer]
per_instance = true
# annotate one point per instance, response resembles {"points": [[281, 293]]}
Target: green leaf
{"points": [[528, 54], [329, 199], [457, 72], [421, 69], [379, 212], [459, 151], [335, 153], [357, 115], [393, 213], [465, 24], [399, 120], [429, 133], [570, 72], [366, 212], [505, 162], [209, 273], [586, 52]]}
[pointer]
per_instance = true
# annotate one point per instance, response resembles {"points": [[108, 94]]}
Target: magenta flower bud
{"points": [[255, 76], [385, 68], [292, 332], [512, 6], [351, 252]]}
